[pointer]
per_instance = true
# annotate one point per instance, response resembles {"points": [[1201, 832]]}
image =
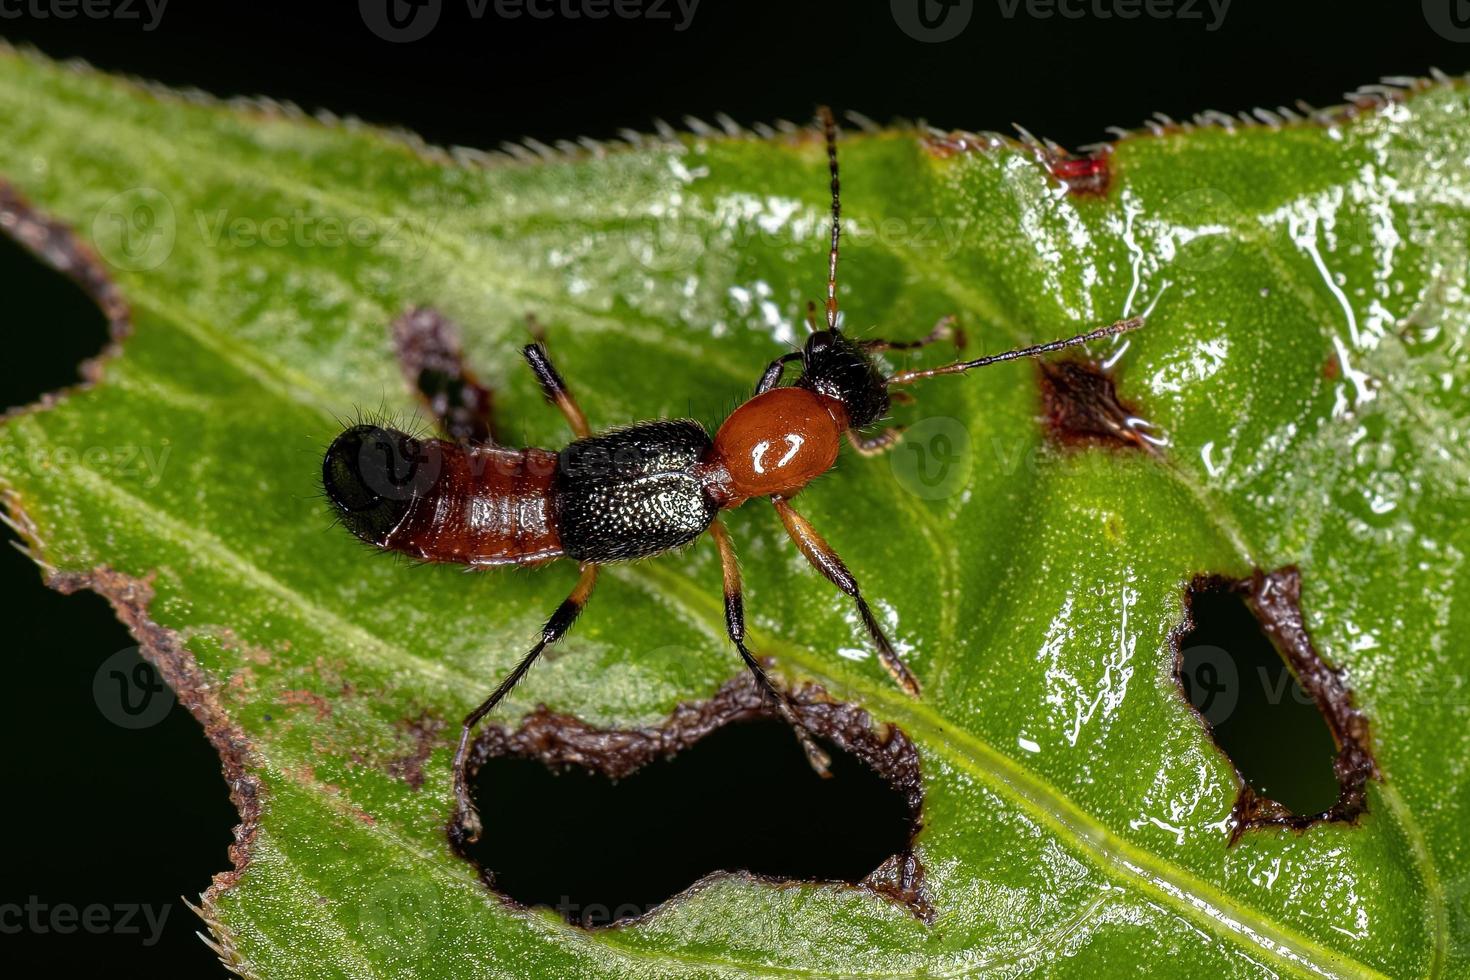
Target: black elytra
{"points": [[633, 492]]}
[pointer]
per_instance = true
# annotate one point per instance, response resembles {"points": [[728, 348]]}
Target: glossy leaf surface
{"points": [[1305, 362]]}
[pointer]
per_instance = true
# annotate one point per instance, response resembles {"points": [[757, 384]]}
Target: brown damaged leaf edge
{"points": [[59, 247], [1275, 600], [558, 740], [131, 598], [1080, 403]]}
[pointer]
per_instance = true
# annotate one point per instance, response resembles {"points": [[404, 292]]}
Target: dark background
{"points": [[101, 814]]}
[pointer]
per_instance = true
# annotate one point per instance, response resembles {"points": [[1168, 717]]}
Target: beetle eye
{"points": [[818, 342]]}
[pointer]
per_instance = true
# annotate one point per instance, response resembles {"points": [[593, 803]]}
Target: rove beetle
{"points": [[643, 489]]}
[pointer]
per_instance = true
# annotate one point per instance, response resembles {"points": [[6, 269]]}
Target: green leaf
{"points": [[1305, 357]]}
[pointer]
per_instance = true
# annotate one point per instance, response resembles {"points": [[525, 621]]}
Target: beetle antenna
{"points": [[959, 367], [829, 127]]}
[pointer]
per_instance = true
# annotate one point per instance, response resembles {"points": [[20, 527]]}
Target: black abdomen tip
{"points": [[372, 476]]}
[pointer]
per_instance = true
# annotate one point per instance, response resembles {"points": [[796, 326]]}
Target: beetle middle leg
{"points": [[947, 328], [556, 627], [877, 444], [735, 626], [825, 560]]}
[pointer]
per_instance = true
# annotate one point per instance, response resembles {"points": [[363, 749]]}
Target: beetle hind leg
{"points": [[735, 626], [467, 819]]}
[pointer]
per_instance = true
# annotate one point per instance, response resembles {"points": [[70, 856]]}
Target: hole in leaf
{"points": [[1279, 712], [59, 298], [604, 826], [1082, 408], [1257, 711], [159, 778]]}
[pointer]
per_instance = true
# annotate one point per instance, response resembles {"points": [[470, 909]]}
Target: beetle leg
{"points": [[947, 328], [735, 626], [466, 817], [826, 561], [772, 375], [875, 445], [555, 388]]}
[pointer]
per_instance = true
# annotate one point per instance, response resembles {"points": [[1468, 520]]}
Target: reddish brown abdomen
{"points": [[487, 506]]}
